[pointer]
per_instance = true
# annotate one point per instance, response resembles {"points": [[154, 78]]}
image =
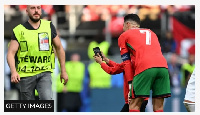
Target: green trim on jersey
{"points": [[130, 46]]}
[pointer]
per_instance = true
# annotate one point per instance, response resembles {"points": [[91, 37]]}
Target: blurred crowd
{"points": [[114, 13], [91, 76], [97, 12]]}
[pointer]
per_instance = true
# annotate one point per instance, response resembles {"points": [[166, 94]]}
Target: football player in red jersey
{"points": [[150, 70]]}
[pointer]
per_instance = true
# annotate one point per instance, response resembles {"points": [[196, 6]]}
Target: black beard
{"points": [[34, 20]]}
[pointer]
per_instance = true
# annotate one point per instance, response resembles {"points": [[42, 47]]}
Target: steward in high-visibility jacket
{"points": [[41, 57], [32, 42], [98, 77], [70, 94]]}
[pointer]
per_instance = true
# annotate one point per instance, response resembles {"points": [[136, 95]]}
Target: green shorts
{"points": [[155, 79]]}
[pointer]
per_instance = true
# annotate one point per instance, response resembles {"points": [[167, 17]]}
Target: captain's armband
{"points": [[125, 57]]}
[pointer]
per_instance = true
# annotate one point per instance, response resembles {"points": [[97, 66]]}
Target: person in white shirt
{"points": [[189, 100]]}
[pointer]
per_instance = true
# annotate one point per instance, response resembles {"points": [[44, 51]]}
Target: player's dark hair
{"points": [[132, 17]]}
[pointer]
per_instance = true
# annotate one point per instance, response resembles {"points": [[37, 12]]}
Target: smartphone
{"points": [[97, 50]]}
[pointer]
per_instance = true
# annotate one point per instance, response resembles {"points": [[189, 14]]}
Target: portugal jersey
{"points": [[143, 44]]}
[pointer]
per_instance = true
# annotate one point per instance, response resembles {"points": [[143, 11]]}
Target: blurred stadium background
{"points": [[81, 27]]}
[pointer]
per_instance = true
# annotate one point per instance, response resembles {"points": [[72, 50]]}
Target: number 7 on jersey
{"points": [[148, 36]]}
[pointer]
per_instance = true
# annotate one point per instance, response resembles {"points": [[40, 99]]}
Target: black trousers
{"points": [[71, 101], [142, 108]]}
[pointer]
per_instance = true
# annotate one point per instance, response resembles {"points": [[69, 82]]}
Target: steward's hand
{"points": [[15, 78], [64, 76]]}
